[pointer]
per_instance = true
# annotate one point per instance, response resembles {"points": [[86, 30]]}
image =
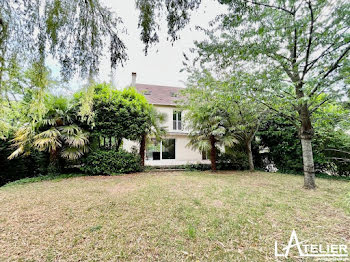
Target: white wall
{"points": [[183, 154], [168, 111]]}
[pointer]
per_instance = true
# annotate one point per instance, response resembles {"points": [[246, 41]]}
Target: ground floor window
{"points": [[157, 150]]}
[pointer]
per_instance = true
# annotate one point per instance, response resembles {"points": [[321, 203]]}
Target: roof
{"points": [[159, 95]]}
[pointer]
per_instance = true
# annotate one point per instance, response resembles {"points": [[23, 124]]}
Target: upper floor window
{"points": [[177, 123]]}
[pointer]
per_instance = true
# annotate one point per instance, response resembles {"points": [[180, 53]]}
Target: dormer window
{"points": [[177, 120]]}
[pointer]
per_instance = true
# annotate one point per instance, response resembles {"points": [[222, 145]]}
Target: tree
{"points": [[35, 29], [246, 112], [74, 33], [207, 115], [229, 99], [329, 146], [56, 133], [297, 47], [118, 115]]}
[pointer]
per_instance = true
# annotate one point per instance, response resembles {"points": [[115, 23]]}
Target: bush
{"points": [[235, 160], [23, 167], [330, 147], [107, 162]]}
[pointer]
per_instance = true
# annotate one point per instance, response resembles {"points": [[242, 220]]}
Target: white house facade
{"points": [[173, 149]]}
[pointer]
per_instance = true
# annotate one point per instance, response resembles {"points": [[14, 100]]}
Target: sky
{"points": [[164, 60]]}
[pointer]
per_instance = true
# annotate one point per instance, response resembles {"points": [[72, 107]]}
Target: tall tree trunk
{"points": [[54, 166], [213, 153], [306, 134], [250, 155], [308, 163], [143, 149]]}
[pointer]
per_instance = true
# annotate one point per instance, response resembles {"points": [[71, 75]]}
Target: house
{"points": [[172, 149]]}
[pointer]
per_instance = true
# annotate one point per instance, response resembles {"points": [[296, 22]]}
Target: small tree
{"points": [[56, 133], [207, 116], [228, 109], [120, 115]]}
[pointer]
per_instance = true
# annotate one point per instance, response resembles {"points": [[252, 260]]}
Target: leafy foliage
{"points": [[206, 114], [35, 29], [34, 165], [56, 133], [222, 107], [298, 51], [234, 158], [177, 17], [330, 145], [120, 114], [108, 162]]}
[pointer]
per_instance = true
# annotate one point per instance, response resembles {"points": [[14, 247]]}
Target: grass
{"points": [[176, 216], [28, 180]]}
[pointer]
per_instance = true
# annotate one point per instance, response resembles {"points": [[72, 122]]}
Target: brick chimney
{"points": [[133, 79]]}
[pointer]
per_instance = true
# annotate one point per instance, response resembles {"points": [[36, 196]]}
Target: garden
{"points": [[265, 101]]}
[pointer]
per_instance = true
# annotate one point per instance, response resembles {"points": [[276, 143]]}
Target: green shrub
{"points": [[108, 162], [330, 147], [233, 159], [30, 166]]}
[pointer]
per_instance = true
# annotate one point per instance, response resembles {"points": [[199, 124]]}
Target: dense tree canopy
{"points": [[56, 133], [74, 32], [297, 49], [330, 145], [220, 112], [120, 114]]}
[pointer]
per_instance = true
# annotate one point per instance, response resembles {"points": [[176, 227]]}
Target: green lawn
{"points": [[228, 216]]}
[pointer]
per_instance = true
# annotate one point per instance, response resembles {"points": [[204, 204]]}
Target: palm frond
{"points": [[198, 142], [49, 121], [19, 151], [21, 141], [69, 130], [78, 138], [73, 153], [48, 140], [228, 141], [22, 134]]}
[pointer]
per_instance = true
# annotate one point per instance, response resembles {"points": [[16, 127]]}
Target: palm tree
{"points": [[56, 133], [210, 140]]}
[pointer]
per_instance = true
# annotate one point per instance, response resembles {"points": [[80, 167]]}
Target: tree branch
{"points": [[325, 52], [337, 150], [319, 105], [310, 40], [333, 67], [272, 6], [293, 120]]}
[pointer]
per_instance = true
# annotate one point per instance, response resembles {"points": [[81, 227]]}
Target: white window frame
{"points": [[161, 150], [177, 121]]}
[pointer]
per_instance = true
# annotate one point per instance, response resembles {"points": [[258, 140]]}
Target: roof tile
{"points": [[159, 95]]}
